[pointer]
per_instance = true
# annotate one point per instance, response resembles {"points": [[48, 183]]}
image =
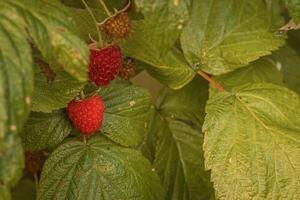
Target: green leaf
{"points": [[225, 35], [252, 142], [11, 160], [98, 170], [293, 7], [84, 22], [50, 28], [163, 23], [25, 190], [263, 70], [171, 69], [148, 146], [178, 152], [16, 81], [54, 88], [45, 130], [185, 104], [179, 162], [275, 13], [150, 43], [288, 61], [16, 84], [126, 112]]}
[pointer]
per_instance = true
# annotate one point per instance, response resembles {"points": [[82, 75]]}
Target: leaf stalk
{"points": [[214, 83]]}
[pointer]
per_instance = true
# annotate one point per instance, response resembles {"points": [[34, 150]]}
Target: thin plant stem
{"points": [[105, 8], [100, 41], [214, 83], [36, 181]]}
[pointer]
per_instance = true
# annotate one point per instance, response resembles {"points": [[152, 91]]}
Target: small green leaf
{"points": [[50, 28], [293, 7], [98, 170], [252, 142], [225, 35], [288, 61], [126, 112], [263, 70], [54, 88], [45, 130], [150, 43]]}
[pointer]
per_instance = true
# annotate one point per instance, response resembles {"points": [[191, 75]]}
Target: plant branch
{"points": [[105, 8], [214, 83], [100, 41]]}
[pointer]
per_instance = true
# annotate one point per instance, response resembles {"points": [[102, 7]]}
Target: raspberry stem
{"points": [[214, 83], [85, 139], [100, 41], [105, 8], [82, 96]]}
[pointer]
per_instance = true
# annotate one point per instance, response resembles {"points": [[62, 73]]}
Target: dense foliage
{"points": [[235, 135]]}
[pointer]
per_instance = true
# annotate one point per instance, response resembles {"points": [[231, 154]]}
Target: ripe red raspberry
{"points": [[105, 64], [86, 114]]}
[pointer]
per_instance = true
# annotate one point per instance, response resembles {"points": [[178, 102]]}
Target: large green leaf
{"points": [[293, 7], [16, 82], [288, 61], [98, 170], [16, 85], [150, 43], [45, 130], [178, 151], [252, 142], [263, 70], [225, 35], [126, 112], [53, 88], [50, 27]]}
